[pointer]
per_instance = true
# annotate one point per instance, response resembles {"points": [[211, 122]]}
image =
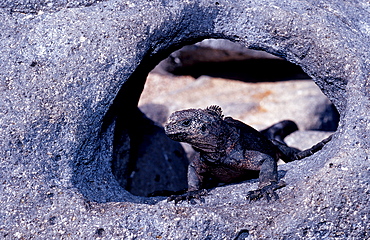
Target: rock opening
{"points": [[63, 65], [254, 86]]}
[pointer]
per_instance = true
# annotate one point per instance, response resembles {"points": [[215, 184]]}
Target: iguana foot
{"points": [[266, 192], [197, 194]]}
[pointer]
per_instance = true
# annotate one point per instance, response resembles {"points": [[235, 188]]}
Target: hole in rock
{"points": [[242, 234], [252, 86]]}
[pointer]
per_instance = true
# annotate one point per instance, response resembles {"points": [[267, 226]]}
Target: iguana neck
{"points": [[226, 140]]}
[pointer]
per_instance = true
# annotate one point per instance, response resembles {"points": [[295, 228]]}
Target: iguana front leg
{"points": [[195, 182], [268, 180]]}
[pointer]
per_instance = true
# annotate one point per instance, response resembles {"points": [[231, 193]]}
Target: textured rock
{"points": [[68, 74]]}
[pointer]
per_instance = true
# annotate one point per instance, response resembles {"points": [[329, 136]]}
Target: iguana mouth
{"points": [[177, 136]]}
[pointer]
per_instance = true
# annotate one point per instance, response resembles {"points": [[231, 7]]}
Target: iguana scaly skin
{"points": [[227, 150]]}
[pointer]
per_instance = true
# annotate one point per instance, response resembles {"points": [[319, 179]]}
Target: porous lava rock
{"points": [[70, 70]]}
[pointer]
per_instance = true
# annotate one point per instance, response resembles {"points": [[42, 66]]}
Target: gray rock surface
{"points": [[70, 72]]}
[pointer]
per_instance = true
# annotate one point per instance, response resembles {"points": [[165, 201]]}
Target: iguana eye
{"points": [[186, 123], [204, 128]]}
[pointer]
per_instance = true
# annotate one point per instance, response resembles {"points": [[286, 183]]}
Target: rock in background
{"points": [[72, 72], [265, 99], [257, 104], [208, 51]]}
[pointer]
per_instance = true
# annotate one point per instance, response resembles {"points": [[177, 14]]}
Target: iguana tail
{"points": [[312, 150], [276, 134], [289, 154], [280, 130]]}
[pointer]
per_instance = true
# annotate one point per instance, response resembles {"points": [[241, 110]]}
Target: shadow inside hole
{"points": [[145, 160]]}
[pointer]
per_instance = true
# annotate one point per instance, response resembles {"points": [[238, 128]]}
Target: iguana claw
{"points": [[197, 194], [267, 192]]}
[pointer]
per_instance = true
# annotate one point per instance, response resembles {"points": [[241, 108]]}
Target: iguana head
{"points": [[199, 127]]}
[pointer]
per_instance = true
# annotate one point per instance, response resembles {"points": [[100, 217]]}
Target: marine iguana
{"points": [[227, 150]]}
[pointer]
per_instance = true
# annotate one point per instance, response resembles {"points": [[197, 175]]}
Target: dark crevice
{"points": [[242, 234]]}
